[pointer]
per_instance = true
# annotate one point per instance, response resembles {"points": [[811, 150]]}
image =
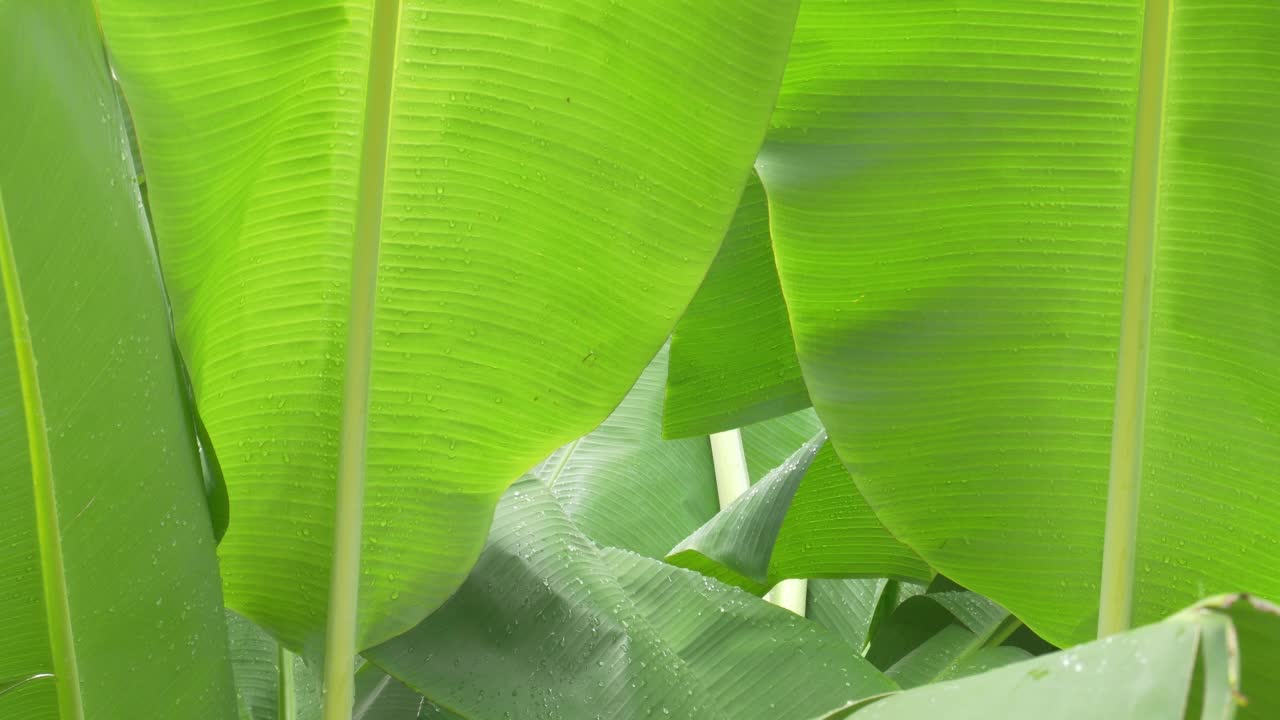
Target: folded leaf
{"points": [[624, 486], [805, 519], [772, 441], [1145, 673], [488, 215], [733, 361], [109, 599], [573, 631], [950, 207]]}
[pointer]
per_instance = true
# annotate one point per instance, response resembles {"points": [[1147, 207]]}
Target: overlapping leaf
{"points": [[549, 624], [1145, 673], [554, 181], [949, 203], [271, 682], [109, 600], [624, 486], [803, 520], [733, 361], [942, 635]]}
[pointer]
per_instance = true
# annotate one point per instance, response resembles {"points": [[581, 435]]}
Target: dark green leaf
{"points": [[547, 623]]}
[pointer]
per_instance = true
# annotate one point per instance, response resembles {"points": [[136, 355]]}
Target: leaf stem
{"points": [[730, 460], [791, 594], [341, 633], [48, 533], [287, 696], [1115, 605]]}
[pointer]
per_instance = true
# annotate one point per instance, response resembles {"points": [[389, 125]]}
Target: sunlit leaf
{"points": [[526, 195], [949, 194]]}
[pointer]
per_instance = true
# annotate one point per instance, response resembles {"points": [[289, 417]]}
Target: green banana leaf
{"points": [[109, 599], [949, 196], [488, 216], [847, 607], [733, 361], [943, 635], [271, 682], [381, 697], [275, 684], [1196, 664], [770, 532], [550, 625], [766, 444], [624, 486]]}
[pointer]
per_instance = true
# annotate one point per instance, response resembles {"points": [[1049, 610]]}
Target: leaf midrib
{"points": [[341, 633], [48, 533], [1119, 546]]}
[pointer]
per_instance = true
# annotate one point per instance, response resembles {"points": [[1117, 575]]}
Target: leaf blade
{"points": [[519, 256], [982, 331], [125, 526]]}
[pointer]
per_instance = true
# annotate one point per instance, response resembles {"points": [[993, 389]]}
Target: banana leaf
{"points": [[733, 361], [414, 247], [550, 625], [805, 519], [624, 486], [962, 200], [1210, 661], [109, 600]]}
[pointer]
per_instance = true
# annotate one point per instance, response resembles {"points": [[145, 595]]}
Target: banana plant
{"points": [[390, 257]]}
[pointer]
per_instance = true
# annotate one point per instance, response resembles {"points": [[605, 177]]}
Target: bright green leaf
{"points": [[949, 201], [1257, 634], [526, 195], [108, 579]]}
